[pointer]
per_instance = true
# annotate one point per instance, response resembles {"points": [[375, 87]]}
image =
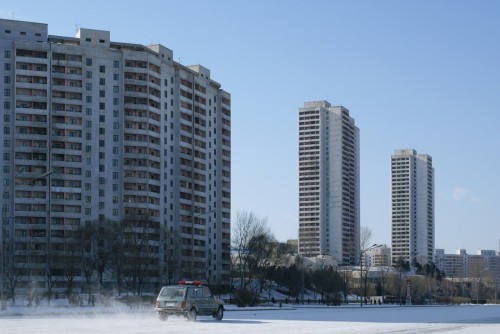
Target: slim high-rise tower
{"points": [[412, 177], [328, 182]]}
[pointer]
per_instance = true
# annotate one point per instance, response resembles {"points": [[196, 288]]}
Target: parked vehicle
{"points": [[188, 299]]}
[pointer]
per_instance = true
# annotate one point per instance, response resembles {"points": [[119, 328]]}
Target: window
{"points": [[89, 61], [115, 138], [116, 76], [102, 81], [115, 187], [102, 118], [88, 86], [102, 105], [6, 66], [6, 169], [6, 79], [101, 143], [88, 99], [115, 149], [6, 105], [116, 64], [115, 113], [115, 175], [88, 186], [6, 54], [6, 92], [88, 111], [88, 136], [102, 69], [101, 131], [102, 93], [88, 74], [116, 101], [116, 89]]}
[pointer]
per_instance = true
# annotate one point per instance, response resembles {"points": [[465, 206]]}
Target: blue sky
{"points": [[414, 74]]}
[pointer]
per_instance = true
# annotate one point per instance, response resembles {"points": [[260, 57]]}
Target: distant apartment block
{"points": [[463, 266], [412, 230], [96, 130], [378, 256], [328, 182]]}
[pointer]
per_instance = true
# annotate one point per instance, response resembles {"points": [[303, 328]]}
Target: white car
{"points": [[189, 299]]}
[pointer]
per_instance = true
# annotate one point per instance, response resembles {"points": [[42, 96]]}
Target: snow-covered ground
{"points": [[347, 319]]}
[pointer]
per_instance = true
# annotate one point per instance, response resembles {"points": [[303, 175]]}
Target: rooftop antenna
{"points": [[77, 27]]}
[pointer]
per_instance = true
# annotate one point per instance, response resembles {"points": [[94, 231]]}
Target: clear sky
{"points": [[414, 74]]}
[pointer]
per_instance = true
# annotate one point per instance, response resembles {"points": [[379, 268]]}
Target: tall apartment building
{"points": [[96, 130], [412, 178], [328, 182]]}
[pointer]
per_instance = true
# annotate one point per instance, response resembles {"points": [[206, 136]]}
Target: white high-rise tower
{"points": [[412, 206], [328, 182]]}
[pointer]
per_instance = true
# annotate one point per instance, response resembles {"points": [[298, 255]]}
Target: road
{"points": [[351, 320]]}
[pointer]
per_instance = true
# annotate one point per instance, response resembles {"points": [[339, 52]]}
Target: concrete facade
{"points": [[328, 183], [98, 130], [412, 230], [470, 267], [378, 256]]}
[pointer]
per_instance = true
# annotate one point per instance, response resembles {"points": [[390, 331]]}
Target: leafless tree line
{"points": [[101, 257]]}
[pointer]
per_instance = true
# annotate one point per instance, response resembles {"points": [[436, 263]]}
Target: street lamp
{"points": [[362, 252]]}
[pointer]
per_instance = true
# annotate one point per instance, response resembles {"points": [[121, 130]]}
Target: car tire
{"points": [[192, 314], [219, 314]]}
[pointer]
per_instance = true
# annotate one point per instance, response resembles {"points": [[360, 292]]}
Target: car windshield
{"points": [[172, 292]]}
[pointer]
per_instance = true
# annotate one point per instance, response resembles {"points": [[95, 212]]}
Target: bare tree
{"points": [[141, 252], [14, 275], [171, 254], [246, 228], [98, 247], [70, 261], [402, 266], [364, 244]]}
